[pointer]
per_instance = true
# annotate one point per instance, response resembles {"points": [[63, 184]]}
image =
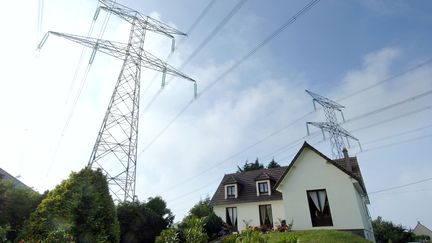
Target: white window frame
{"points": [[268, 185], [235, 190]]}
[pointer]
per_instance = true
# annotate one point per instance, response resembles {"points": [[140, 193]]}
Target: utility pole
{"points": [[115, 149], [337, 132]]}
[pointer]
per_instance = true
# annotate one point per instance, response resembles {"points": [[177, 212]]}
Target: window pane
{"points": [[266, 216], [319, 208]]}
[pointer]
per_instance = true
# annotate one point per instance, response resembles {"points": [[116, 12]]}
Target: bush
{"points": [[288, 239], [212, 225], [168, 236], [80, 206], [251, 235], [230, 238], [143, 221], [194, 231]]}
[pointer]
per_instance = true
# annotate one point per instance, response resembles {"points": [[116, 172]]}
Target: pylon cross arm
{"points": [[134, 17], [120, 51], [331, 127], [325, 102]]}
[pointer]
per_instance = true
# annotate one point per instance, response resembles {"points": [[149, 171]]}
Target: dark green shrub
{"points": [[194, 231], [80, 206], [168, 236], [230, 239]]}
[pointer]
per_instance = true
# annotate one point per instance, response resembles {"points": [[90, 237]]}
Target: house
{"points": [[421, 230], [313, 192]]}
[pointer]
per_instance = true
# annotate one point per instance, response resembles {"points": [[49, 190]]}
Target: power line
{"points": [[398, 134], [404, 72], [410, 99], [292, 144], [220, 25], [234, 66], [396, 143], [401, 186], [81, 87]]}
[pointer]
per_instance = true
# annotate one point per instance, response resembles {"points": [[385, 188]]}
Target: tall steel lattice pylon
{"points": [[337, 132], [115, 150]]}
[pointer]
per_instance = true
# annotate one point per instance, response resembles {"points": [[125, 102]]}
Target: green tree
{"points": [[203, 210], [194, 230], [79, 209], [386, 231], [250, 166], [273, 164], [142, 222], [16, 205]]}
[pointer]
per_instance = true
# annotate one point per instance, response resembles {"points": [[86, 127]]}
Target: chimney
{"points": [[347, 160]]}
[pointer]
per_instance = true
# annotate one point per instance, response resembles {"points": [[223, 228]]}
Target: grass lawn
{"points": [[322, 236]]}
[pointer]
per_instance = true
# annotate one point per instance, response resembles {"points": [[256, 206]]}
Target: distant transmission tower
{"points": [[115, 150], [337, 132]]}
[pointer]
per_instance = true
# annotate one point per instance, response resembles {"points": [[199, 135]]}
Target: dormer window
{"points": [[263, 187], [231, 191]]}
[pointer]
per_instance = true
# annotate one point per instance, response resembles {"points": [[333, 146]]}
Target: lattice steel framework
{"points": [[115, 150], [336, 132]]}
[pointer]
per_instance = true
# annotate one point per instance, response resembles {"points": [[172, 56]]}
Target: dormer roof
{"points": [[247, 186], [229, 180], [263, 176]]}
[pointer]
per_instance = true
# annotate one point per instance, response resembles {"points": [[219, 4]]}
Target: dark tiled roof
{"points": [[229, 180], [263, 176], [246, 182], [247, 185], [9, 177]]}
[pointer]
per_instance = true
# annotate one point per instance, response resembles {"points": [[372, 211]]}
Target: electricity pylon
{"points": [[337, 132], [115, 150]]}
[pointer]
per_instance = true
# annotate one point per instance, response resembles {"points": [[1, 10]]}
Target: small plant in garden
{"points": [[251, 235], [168, 236], [194, 232], [230, 239], [283, 227], [247, 223], [288, 239]]}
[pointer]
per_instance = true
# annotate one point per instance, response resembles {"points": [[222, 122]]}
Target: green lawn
{"points": [[322, 236]]}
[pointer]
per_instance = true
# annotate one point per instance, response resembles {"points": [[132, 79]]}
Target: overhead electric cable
{"points": [[295, 142], [233, 67], [398, 134], [401, 186], [404, 72], [395, 143], [212, 34]]}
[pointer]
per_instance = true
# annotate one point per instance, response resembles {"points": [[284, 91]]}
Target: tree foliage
{"points": [[273, 164], [16, 205], [386, 231], [194, 230], [79, 209], [250, 166], [203, 210], [142, 222]]}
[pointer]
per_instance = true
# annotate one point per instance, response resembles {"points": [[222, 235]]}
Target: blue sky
{"points": [[337, 48]]}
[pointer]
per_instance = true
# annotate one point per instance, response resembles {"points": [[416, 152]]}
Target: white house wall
{"points": [[365, 217], [312, 172], [249, 213]]}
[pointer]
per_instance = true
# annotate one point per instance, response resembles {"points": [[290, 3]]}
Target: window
{"points": [[230, 191], [319, 208], [266, 217], [263, 187], [231, 217]]}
